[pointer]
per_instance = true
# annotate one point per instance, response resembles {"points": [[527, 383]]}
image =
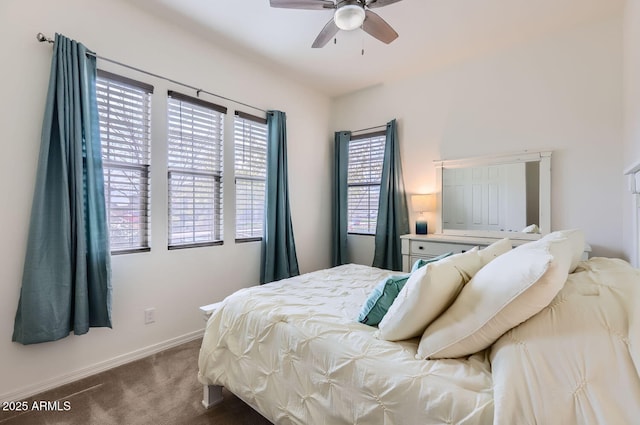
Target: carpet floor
{"points": [[161, 389]]}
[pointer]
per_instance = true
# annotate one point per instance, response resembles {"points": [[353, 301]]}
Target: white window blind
{"points": [[250, 159], [195, 143], [124, 107], [366, 153]]}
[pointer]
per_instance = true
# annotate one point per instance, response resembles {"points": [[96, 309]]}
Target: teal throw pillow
{"points": [[421, 263], [381, 299]]}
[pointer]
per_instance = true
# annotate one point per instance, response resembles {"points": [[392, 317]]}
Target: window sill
{"points": [[130, 251], [195, 245], [245, 240]]}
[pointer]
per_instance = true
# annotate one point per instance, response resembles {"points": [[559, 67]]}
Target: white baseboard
{"points": [[68, 378]]}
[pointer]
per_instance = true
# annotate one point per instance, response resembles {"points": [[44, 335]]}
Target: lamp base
{"points": [[421, 227]]}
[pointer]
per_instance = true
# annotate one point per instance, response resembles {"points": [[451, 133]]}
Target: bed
{"points": [[293, 351]]}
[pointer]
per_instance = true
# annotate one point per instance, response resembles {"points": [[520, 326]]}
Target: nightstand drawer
{"points": [[431, 249]]}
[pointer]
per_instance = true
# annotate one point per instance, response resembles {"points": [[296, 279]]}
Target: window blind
{"points": [[250, 159], [195, 138], [124, 108], [366, 154]]}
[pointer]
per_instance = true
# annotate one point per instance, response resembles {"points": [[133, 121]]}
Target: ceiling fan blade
{"points": [[328, 32], [378, 28], [380, 3], [303, 4]]}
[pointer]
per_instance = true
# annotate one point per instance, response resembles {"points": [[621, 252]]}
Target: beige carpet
{"points": [[160, 389]]}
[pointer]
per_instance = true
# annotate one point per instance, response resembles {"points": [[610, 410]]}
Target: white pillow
{"points": [[576, 239], [495, 250], [431, 289], [503, 294]]}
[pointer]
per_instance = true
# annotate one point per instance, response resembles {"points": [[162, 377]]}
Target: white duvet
{"points": [[578, 360], [294, 351]]}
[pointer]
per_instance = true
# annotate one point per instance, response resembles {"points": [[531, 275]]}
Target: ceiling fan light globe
{"points": [[349, 17]]}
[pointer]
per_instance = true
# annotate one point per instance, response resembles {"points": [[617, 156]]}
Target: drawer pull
{"points": [[420, 247]]}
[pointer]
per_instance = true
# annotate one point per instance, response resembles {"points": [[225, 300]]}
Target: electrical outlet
{"points": [[149, 316]]}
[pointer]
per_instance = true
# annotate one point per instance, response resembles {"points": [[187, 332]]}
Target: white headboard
{"points": [[634, 188]]}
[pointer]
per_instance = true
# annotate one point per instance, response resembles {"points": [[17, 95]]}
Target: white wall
{"points": [[562, 93], [175, 282], [631, 116]]}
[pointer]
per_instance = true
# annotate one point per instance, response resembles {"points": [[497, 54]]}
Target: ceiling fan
{"points": [[349, 15]]}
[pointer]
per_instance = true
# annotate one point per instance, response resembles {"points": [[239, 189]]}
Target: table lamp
{"points": [[422, 204]]}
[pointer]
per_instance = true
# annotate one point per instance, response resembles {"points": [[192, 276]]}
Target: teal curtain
{"points": [[339, 210], [66, 280], [393, 217], [279, 260]]}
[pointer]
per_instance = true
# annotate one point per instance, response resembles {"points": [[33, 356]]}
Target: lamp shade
{"points": [[423, 203], [349, 17]]}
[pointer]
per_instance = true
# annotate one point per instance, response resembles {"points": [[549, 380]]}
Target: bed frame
{"points": [[211, 394]]}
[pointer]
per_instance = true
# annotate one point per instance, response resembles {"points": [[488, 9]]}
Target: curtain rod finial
{"points": [[42, 38]]}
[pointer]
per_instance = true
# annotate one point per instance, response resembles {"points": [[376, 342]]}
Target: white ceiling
{"points": [[433, 33]]}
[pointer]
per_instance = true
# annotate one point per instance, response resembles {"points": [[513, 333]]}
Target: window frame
{"points": [[260, 121], [216, 176], [372, 137], [109, 165]]}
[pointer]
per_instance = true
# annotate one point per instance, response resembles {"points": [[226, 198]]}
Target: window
{"points": [[366, 153], [124, 108], [251, 172], [195, 171]]}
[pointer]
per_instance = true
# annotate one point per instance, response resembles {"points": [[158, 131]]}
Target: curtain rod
{"points": [[370, 128], [42, 38]]}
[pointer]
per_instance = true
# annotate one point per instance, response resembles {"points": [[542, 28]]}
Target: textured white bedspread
{"points": [[294, 351], [578, 360]]}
